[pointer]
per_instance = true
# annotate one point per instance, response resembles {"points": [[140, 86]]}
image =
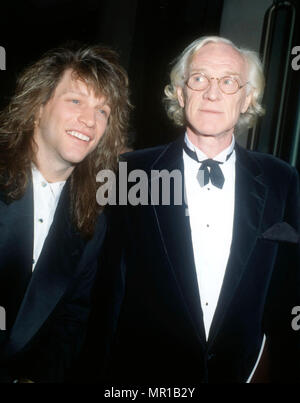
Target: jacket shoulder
{"points": [[270, 160], [271, 166], [143, 158]]}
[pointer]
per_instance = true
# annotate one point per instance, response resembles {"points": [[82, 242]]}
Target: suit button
{"points": [[210, 356]]}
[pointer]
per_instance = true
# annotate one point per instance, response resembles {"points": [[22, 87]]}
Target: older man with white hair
{"points": [[211, 284]]}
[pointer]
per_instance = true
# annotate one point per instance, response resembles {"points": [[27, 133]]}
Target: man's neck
{"points": [[52, 173], [210, 145]]}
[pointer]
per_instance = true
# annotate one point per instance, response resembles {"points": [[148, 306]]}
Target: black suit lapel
{"points": [[52, 275], [250, 195], [16, 246], [174, 227]]}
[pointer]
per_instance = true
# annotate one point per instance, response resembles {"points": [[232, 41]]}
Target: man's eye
{"points": [[75, 101], [228, 81], [103, 112]]}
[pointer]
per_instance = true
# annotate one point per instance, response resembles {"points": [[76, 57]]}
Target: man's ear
{"points": [[38, 115], [247, 102], [180, 96]]}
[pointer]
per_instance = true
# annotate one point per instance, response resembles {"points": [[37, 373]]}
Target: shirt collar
{"points": [[39, 180], [221, 157]]}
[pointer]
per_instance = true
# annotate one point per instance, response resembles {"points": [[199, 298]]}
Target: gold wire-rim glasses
{"points": [[238, 86]]}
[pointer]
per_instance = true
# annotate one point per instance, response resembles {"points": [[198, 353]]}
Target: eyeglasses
{"points": [[200, 81]]}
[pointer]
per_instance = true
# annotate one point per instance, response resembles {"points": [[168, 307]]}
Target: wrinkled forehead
{"points": [[219, 58]]}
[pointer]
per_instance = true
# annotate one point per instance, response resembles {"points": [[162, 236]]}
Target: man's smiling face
{"points": [[70, 125], [210, 112]]}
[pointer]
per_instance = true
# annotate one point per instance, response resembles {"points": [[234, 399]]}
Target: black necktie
{"points": [[214, 174]]}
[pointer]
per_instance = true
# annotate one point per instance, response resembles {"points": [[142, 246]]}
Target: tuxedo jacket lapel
{"points": [[174, 228], [16, 219], [51, 277], [250, 196]]}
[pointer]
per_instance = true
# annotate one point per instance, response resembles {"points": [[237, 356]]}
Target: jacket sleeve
{"points": [[283, 298]]}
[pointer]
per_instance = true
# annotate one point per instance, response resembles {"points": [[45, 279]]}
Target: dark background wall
{"points": [[148, 34]]}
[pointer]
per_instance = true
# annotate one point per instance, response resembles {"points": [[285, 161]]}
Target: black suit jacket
{"points": [[160, 335], [47, 310]]}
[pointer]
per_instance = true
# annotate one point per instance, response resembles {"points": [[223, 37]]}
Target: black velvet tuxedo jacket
{"points": [[47, 310], [160, 337]]}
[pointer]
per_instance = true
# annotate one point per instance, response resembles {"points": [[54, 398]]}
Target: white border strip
{"points": [[258, 359]]}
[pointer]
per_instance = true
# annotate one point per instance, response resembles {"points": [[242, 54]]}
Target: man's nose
{"points": [[87, 116], [213, 91]]}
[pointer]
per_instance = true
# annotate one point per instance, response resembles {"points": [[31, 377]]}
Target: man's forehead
{"points": [[220, 56], [72, 82]]}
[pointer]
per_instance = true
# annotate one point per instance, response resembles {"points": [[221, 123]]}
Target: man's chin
{"points": [[74, 159], [210, 131]]}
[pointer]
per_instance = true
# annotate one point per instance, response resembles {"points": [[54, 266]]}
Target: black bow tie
{"points": [[214, 174]]}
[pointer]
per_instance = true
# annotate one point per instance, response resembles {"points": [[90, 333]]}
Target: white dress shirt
{"points": [[45, 199], [211, 212]]}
